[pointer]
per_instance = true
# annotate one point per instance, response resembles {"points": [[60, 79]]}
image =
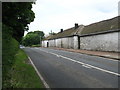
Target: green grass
{"points": [[23, 74], [38, 45]]}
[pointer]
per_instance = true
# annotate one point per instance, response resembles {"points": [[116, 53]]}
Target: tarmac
{"points": [[105, 54]]}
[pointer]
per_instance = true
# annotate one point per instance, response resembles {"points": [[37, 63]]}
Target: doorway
{"points": [[47, 44]]}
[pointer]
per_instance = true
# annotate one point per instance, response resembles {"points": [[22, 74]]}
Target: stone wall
{"points": [[52, 43], [67, 42], [44, 43], [58, 42], [63, 42], [71, 42], [101, 42], [75, 42]]}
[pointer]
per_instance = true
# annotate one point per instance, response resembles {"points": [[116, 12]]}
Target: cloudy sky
{"points": [[56, 14]]}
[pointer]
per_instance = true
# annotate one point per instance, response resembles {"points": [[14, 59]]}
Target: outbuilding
{"points": [[100, 36]]}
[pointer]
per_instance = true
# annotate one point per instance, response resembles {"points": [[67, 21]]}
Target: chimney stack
{"points": [[76, 25], [61, 30]]}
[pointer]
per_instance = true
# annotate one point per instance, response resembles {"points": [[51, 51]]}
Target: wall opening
{"points": [[47, 44], [61, 44], [78, 42]]}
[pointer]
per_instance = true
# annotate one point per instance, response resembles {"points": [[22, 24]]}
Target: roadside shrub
{"points": [[9, 48]]}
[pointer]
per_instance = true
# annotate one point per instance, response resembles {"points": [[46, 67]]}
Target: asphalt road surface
{"points": [[63, 69]]}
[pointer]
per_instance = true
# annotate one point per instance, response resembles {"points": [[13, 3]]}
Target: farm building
{"points": [[101, 36]]}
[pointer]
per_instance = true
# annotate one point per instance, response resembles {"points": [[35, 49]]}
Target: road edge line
{"points": [[42, 79]]}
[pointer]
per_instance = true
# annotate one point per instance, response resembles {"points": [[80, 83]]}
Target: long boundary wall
{"points": [[97, 42], [68, 42], [100, 42], [44, 43]]}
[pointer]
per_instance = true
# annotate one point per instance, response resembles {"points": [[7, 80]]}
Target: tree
{"points": [[33, 38], [51, 33], [17, 15], [15, 19]]}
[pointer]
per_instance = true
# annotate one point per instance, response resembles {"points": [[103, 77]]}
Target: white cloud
{"points": [[57, 14]]}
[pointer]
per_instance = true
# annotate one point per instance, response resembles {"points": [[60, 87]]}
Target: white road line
{"points": [[86, 66], [44, 82], [107, 71], [110, 59]]}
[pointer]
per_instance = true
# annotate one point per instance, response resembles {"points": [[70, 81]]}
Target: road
{"points": [[63, 69]]}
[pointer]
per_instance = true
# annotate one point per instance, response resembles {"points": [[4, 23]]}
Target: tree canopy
{"points": [[33, 38], [15, 19], [51, 33], [17, 15]]}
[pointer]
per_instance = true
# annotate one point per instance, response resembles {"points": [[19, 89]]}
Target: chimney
{"points": [[76, 25], [61, 30]]}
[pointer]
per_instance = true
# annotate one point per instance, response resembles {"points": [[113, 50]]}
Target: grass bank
{"points": [[23, 74]]}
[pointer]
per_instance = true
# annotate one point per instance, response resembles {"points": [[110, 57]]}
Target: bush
{"points": [[32, 38], [9, 48]]}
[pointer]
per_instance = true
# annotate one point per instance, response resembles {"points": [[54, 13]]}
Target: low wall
{"points": [[101, 42]]}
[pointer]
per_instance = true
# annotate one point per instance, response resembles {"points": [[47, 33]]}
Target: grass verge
{"points": [[38, 45], [23, 73]]}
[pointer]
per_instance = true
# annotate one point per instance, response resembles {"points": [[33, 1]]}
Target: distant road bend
{"points": [[63, 69]]}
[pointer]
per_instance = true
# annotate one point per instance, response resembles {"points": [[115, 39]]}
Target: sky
{"points": [[63, 14]]}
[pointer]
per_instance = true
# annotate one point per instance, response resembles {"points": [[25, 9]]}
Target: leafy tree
{"points": [[52, 33], [15, 19], [17, 15], [39, 33], [33, 38]]}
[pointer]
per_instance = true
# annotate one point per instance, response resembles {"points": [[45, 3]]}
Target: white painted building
{"points": [[101, 36]]}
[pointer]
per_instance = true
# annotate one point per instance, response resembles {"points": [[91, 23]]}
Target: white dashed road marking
{"points": [[86, 66]]}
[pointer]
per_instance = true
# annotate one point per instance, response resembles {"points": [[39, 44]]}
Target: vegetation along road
{"points": [[63, 69]]}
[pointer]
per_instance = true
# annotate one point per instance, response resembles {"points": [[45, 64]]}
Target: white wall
{"points": [[58, 42], [65, 43], [68, 42], [51, 43], [44, 43], [101, 42], [75, 42], [71, 42]]}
